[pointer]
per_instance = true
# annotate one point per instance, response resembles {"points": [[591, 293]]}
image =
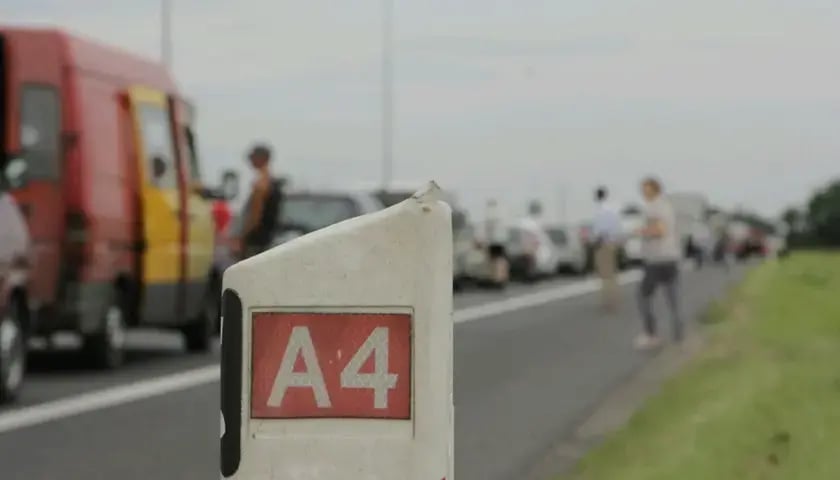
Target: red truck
{"points": [[121, 225]]}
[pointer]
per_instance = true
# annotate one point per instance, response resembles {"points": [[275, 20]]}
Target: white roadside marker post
{"points": [[337, 352]]}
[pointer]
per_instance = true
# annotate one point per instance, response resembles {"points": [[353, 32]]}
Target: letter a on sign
{"points": [[300, 343], [337, 351]]}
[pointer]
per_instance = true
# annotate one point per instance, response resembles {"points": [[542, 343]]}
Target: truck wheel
{"points": [[199, 334], [12, 353], [106, 349]]}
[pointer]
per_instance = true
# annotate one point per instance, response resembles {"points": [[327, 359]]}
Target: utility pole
{"points": [[387, 94], [166, 33], [563, 204]]}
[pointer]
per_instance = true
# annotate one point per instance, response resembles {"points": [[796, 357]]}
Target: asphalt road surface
{"points": [[529, 364]]}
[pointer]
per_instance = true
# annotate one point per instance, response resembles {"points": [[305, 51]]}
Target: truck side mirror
{"points": [[15, 172], [158, 168]]}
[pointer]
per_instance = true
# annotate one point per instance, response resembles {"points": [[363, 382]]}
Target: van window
{"points": [[40, 131], [158, 147]]}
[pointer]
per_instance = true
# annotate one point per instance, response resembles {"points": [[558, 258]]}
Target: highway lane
{"points": [[522, 380], [154, 353]]}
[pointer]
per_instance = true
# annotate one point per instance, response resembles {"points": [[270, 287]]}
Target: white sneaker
{"points": [[647, 342]]}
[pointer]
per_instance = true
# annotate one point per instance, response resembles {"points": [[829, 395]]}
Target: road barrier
{"points": [[337, 352]]}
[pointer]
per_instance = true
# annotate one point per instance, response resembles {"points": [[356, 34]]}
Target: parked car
{"points": [[632, 219], [124, 237], [571, 253], [691, 211], [14, 293], [471, 262], [531, 251], [304, 212]]}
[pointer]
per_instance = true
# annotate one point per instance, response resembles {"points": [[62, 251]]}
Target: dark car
{"points": [[14, 304], [307, 211]]}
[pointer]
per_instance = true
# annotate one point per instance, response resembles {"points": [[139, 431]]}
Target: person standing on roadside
{"points": [[495, 236], [661, 254], [260, 218], [606, 237]]}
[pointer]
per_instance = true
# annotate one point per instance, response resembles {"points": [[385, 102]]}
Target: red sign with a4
{"points": [[331, 365]]}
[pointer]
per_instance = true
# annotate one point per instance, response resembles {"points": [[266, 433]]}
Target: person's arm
{"points": [[654, 229], [255, 208], [659, 226]]}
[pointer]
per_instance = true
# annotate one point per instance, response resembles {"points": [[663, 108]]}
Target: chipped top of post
{"points": [[431, 193]]}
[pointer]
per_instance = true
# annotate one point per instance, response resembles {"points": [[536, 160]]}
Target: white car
{"points": [[570, 251], [631, 220], [531, 251]]}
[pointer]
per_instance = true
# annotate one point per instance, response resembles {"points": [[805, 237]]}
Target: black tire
{"points": [[198, 335], [106, 348], [12, 352]]}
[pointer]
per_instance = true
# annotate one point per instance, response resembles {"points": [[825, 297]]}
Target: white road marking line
{"points": [[105, 398], [519, 302], [110, 397]]}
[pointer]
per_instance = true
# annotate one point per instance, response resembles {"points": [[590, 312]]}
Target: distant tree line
{"points": [[818, 224]]}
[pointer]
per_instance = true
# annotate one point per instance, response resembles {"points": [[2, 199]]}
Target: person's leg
{"points": [[672, 278], [500, 264], [611, 277], [646, 290], [602, 267]]}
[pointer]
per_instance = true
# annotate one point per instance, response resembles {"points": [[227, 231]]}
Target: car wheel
{"points": [[12, 353], [199, 334], [107, 348]]}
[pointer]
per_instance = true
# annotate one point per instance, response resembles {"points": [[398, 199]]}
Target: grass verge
{"points": [[762, 401]]}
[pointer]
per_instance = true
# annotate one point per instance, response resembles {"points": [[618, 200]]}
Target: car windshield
{"points": [[558, 236], [312, 212], [391, 198]]}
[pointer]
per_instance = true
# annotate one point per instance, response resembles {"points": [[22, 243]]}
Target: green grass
{"points": [[762, 402]]}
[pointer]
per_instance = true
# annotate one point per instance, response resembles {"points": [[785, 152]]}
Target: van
{"points": [[121, 226]]}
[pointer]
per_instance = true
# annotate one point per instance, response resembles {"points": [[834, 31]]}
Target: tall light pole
{"points": [[563, 204], [387, 93], [166, 33]]}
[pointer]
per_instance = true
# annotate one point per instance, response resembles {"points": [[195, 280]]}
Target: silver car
{"points": [[307, 211], [571, 255]]}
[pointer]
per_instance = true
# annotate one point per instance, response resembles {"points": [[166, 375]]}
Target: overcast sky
{"points": [[513, 99]]}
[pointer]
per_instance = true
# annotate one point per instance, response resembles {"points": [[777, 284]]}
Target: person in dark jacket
{"points": [[262, 210]]}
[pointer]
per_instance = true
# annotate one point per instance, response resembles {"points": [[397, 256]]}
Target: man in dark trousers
{"points": [[661, 253], [261, 216]]}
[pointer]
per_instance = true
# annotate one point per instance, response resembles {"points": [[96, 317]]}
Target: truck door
{"points": [[31, 129], [199, 232], [160, 203]]}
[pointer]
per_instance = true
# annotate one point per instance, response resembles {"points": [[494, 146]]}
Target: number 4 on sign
{"points": [[380, 381], [300, 343]]}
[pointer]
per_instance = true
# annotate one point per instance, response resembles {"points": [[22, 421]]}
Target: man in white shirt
{"points": [[662, 254], [606, 235]]}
